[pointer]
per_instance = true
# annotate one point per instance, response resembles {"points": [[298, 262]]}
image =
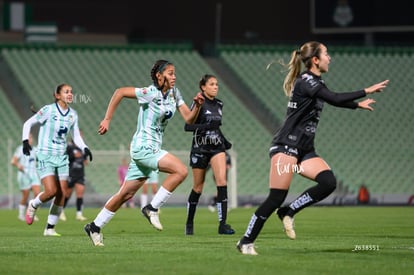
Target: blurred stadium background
{"points": [[44, 43]]}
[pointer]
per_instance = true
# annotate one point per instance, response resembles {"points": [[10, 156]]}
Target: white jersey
{"points": [[55, 125], [27, 162], [155, 110]]}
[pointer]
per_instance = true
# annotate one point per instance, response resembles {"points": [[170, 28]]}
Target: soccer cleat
{"points": [[246, 249], [281, 212], [152, 217], [288, 224], [51, 232], [30, 213], [80, 217], [225, 229], [189, 229], [62, 216], [96, 238]]}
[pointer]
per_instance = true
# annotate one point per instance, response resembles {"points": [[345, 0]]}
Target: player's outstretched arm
{"points": [[118, 95], [376, 88], [365, 104]]}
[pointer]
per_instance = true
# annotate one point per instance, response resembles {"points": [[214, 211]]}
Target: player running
{"points": [[157, 105], [292, 148], [56, 121]]}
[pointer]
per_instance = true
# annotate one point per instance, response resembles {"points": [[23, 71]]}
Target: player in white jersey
{"points": [[27, 176], [56, 121], [157, 105]]}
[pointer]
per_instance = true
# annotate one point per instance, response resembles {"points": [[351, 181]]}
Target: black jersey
{"points": [[207, 137], [76, 161], [304, 109]]}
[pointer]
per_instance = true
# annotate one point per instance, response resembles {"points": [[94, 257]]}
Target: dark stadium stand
{"points": [[362, 147]]}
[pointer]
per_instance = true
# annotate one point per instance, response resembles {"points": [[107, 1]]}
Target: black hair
{"points": [[204, 80], [159, 66], [58, 89]]}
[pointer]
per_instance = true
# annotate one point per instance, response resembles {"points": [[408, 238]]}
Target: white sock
{"points": [[160, 197], [78, 213], [103, 217], [54, 213], [36, 201], [22, 210], [144, 200]]}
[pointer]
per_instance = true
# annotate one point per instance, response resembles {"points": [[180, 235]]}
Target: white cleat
{"points": [[62, 216], [80, 218], [96, 238], [152, 216], [51, 232], [288, 224], [246, 249]]}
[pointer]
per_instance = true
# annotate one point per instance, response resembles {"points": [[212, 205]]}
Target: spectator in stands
{"points": [[27, 176], [77, 162], [153, 182], [292, 148], [208, 147], [158, 103], [56, 121], [363, 195]]}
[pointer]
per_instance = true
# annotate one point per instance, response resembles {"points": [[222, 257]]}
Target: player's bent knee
{"points": [[182, 172], [327, 180]]}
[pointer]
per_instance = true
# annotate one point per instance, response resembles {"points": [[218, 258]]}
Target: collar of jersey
{"points": [[60, 111]]}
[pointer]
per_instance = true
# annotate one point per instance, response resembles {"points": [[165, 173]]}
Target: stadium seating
{"points": [[362, 147], [10, 135], [96, 73]]}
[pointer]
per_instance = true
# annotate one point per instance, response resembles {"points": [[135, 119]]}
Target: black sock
{"points": [[151, 208], [222, 204], [272, 202], [94, 228], [79, 203], [326, 185], [66, 202], [192, 206]]}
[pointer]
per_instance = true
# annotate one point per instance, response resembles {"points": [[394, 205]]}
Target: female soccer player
{"points": [[208, 147], [157, 105], [292, 148], [27, 176], [56, 121]]}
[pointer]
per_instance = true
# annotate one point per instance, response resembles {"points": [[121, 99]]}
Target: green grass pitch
{"points": [[330, 240]]}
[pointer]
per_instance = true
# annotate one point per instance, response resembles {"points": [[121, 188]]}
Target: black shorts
{"points": [[201, 160], [73, 180], [301, 155]]}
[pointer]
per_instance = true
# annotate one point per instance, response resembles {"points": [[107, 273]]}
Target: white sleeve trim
{"points": [[27, 126]]}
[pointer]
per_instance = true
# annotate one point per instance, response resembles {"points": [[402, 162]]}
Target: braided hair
{"points": [[159, 66]]}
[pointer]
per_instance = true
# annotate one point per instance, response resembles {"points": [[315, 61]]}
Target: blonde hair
{"points": [[294, 67]]}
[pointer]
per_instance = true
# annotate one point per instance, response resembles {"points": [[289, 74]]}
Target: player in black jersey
{"points": [[292, 148], [208, 147], [76, 179]]}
